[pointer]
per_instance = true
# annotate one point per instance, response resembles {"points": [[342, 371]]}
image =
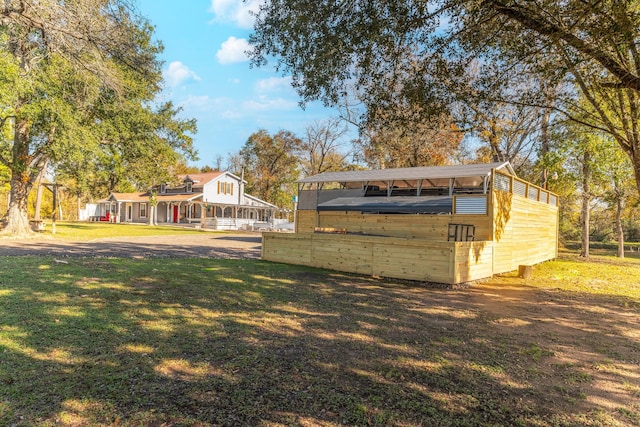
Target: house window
{"points": [[189, 187], [225, 188], [163, 188], [143, 210]]}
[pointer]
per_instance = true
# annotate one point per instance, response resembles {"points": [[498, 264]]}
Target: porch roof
{"points": [[144, 197]]}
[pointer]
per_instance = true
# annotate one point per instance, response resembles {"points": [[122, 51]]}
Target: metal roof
{"points": [[431, 205], [427, 172]]}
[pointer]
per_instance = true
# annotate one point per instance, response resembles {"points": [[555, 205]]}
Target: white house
{"points": [[212, 199]]}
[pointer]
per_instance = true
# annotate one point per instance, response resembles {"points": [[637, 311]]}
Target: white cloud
{"points": [[274, 84], [265, 104], [231, 115], [233, 50], [237, 11], [221, 107], [193, 102], [178, 73]]}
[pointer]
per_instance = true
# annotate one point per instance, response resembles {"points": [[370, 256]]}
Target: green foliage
{"points": [[271, 167], [84, 99], [400, 56]]}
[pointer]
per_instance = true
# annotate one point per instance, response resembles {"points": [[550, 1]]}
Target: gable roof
{"points": [[427, 172], [203, 178], [200, 178]]}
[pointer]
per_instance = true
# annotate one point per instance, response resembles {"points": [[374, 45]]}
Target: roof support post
{"points": [[451, 182], [419, 187], [389, 188]]}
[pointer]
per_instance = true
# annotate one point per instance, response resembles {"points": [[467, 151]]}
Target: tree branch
{"points": [[543, 27]]}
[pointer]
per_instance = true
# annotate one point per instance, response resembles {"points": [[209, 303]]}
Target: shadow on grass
{"points": [[122, 249], [238, 342]]}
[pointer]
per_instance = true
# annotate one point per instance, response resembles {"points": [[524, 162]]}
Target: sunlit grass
{"points": [[84, 231], [600, 274], [200, 342]]}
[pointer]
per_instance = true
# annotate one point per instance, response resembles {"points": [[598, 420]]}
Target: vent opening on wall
{"points": [[471, 205]]}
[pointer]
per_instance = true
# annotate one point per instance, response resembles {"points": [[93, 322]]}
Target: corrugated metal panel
{"points": [[553, 200], [520, 188], [533, 193], [471, 205], [502, 183], [544, 196]]}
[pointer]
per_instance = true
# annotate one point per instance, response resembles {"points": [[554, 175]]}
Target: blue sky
{"points": [[207, 73]]}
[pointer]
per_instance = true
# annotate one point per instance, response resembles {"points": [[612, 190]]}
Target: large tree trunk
{"points": [[17, 215], [22, 178], [635, 161], [619, 229]]}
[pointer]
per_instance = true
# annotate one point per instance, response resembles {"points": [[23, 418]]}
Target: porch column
{"points": [[118, 212], [155, 214]]}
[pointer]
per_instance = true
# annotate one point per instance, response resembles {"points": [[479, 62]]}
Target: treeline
{"points": [[593, 177]]}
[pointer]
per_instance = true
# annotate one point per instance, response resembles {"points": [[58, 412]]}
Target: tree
{"points": [[271, 166], [425, 143], [591, 162], [59, 60], [616, 171], [397, 52], [136, 147], [321, 148], [510, 132]]}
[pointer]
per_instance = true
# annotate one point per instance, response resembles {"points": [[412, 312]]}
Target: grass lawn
{"points": [[197, 342], [82, 231]]}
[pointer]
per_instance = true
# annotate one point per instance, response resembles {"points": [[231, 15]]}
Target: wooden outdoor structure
{"points": [[450, 224]]}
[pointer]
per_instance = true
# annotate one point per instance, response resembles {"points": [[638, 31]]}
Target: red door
{"points": [[175, 214]]}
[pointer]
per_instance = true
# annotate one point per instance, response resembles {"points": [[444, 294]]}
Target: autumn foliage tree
{"points": [[270, 166], [431, 142]]}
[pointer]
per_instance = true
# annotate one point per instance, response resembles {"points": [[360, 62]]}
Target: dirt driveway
{"points": [[203, 245]]}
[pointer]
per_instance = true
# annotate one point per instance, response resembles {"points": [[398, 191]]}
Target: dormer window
{"points": [[163, 188], [189, 187]]}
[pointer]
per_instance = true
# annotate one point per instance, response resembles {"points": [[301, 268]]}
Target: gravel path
{"points": [[205, 245]]}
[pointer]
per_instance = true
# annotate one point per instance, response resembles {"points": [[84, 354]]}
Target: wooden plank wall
{"points": [[288, 248], [413, 259], [525, 233], [306, 221], [473, 261], [433, 227]]}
